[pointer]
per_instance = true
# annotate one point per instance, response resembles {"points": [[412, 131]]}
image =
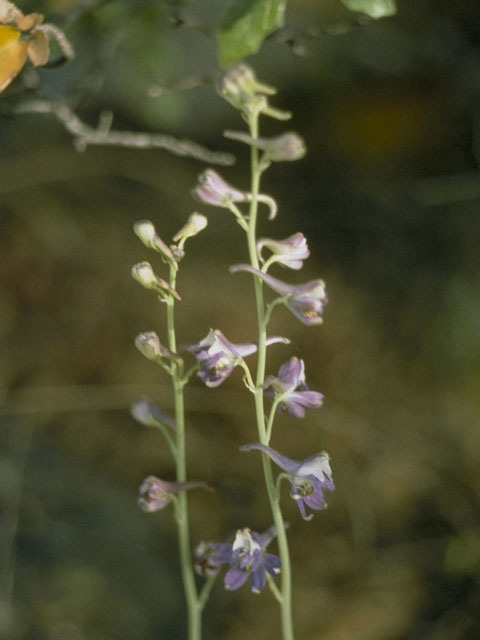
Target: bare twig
{"points": [[103, 135], [52, 31]]}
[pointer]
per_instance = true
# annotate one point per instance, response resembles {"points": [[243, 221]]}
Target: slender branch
{"points": [[85, 135], [274, 589], [205, 592], [52, 31]]}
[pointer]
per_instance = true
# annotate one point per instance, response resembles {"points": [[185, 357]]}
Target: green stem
{"points": [[194, 610], [271, 418], [205, 592], [286, 590]]}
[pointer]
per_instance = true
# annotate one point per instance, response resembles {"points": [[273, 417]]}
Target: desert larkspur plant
{"points": [[244, 555]]}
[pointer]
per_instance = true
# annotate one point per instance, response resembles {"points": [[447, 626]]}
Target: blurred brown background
{"points": [[388, 197]]}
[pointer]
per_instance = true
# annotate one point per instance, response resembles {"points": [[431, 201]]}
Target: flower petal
{"points": [[259, 580], [272, 563], [287, 464], [235, 578]]}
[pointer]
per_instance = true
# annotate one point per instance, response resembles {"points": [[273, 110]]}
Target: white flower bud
{"points": [[143, 273], [196, 223]]}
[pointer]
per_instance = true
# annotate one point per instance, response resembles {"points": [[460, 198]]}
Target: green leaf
{"points": [[373, 8], [245, 25]]}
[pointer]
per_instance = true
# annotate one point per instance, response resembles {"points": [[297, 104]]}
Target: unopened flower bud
{"points": [[145, 230], [196, 223], [239, 85], [148, 343], [144, 274], [287, 147], [155, 494], [148, 414]]}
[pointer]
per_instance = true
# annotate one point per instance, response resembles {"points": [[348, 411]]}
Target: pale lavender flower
{"points": [[155, 494], [246, 556], [306, 301], [218, 356], [288, 253], [205, 558], [148, 414], [290, 388], [309, 478], [212, 189]]}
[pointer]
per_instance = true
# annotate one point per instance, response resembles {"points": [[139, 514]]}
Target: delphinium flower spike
{"points": [[155, 494], [216, 356]]}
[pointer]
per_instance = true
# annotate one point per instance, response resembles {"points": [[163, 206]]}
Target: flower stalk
{"points": [[284, 595], [194, 606], [156, 494]]}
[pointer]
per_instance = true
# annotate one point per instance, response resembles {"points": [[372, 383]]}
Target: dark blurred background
{"points": [[388, 197]]}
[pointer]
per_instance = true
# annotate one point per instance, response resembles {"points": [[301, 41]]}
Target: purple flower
{"points": [[155, 494], [289, 253], [284, 389], [309, 477], [205, 558], [305, 301], [246, 557], [212, 189], [218, 356]]}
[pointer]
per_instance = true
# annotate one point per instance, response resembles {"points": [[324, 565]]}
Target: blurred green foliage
{"points": [[245, 26], [373, 8]]}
